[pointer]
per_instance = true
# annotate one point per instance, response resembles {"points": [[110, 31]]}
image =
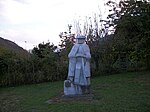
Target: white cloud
{"points": [[36, 21]]}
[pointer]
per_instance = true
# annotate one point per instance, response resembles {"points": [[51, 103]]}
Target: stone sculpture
{"points": [[78, 81]]}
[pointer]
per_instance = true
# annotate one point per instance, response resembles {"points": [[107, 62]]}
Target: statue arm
{"points": [[72, 52]]}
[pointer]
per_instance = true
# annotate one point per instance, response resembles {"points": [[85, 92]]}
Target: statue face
{"points": [[80, 41]]}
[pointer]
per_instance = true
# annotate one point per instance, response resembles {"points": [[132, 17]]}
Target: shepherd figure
{"points": [[79, 68]]}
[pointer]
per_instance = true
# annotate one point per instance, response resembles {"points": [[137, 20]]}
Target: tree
{"points": [[45, 61], [44, 50], [132, 31]]}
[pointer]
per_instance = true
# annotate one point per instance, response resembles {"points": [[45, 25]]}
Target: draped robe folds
{"points": [[79, 64]]}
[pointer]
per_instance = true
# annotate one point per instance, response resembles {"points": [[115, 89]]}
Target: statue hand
{"points": [[70, 78]]}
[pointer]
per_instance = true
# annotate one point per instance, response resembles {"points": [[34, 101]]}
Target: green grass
{"points": [[126, 92]]}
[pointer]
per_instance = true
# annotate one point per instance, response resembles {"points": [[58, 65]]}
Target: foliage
{"points": [[124, 48], [132, 33], [98, 41], [121, 42], [12, 67], [49, 62], [40, 66]]}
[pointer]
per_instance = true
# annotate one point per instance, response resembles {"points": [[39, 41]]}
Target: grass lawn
{"points": [[126, 92]]}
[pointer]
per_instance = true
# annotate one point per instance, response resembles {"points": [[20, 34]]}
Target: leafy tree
{"points": [[45, 61], [132, 32], [44, 50]]}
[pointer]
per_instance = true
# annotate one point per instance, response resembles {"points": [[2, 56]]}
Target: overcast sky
{"points": [[37, 21]]}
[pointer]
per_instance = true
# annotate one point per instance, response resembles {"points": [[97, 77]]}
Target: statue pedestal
{"points": [[71, 89]]}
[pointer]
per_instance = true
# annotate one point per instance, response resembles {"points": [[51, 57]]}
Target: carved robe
{"points": [[79, 64]]}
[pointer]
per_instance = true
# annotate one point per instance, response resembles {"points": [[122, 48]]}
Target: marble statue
{"points": [[78, 81]]}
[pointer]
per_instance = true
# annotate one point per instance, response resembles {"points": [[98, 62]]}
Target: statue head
{"points": [[80, 39]]}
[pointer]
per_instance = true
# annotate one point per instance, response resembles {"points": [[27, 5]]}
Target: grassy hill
{"points": [[7, 46], [126, 92]]}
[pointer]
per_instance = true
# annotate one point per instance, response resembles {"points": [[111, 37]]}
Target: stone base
{"points": [[71, 89]]}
